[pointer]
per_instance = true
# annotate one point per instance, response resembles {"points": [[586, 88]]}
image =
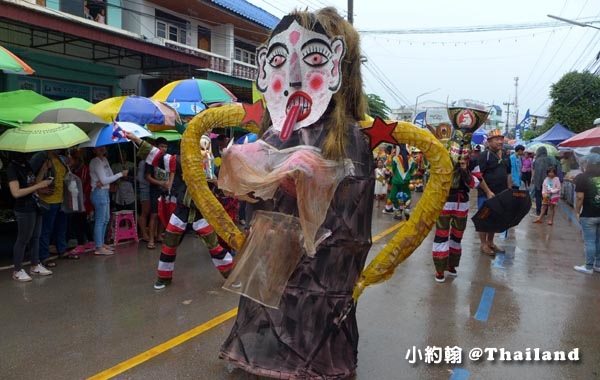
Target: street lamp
{"points": [[573, 22], [417, 100]]}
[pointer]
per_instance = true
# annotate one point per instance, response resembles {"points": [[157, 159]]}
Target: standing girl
{"points": [[101, 174], [550, 195], [526, 162], [23, 186], [381, 183]]}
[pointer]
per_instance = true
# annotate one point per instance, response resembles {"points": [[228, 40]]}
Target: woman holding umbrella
{"points": [[101, 174], [23, 187]]}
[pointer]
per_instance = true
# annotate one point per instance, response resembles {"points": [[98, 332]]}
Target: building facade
{"points": [[95, 49]]}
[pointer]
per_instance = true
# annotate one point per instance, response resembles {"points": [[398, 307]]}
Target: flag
{"points": [[523, 126], [117, 133], [420, 119]]}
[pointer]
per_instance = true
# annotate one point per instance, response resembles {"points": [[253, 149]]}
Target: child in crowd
{"points": [[381, 183], [550, 195]]}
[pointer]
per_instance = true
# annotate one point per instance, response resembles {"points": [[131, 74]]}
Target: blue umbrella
{"points": [[113, 134]]}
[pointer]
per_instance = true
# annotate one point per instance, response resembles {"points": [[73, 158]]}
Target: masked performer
{"points": [[452, 221], [399, 196], [309, 73], [185, 213]]}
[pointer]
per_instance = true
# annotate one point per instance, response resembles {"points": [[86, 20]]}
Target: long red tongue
{"points": [[290, 121]]}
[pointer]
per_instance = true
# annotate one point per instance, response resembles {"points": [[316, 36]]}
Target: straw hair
{"points": [[348, 104]]}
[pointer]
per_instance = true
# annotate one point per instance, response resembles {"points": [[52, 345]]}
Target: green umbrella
{"points": [[551, 149], [42, 136], [11, 64], [18, 108], [169, 135]]}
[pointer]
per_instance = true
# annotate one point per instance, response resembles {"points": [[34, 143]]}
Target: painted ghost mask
{"points": [[299, 71]]}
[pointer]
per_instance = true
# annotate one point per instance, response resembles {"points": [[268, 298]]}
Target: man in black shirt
{"points": [[493, 168]]}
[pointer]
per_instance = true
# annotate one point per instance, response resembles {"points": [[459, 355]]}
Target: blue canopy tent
{"points": [[554, 135], [479, 136]]}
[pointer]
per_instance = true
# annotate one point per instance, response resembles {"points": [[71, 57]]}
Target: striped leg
{"points": [[221, 258], [457, 229], [440, 241], [173, 236]]}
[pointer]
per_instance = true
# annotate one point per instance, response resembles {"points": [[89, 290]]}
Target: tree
{"points": [[575, 101], [377, 107]]}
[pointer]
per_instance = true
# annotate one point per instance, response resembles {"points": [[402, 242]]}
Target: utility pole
{"points": [[516, 103], [507, 104], [351, 11]]}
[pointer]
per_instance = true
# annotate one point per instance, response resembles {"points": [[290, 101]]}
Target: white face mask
{"points": [[299, 71]]}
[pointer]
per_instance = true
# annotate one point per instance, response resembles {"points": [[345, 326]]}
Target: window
{"points": [[170, 27], [245, 56]]}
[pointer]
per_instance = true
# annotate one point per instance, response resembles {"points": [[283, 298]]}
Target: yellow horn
{"points": [[411, 233]]}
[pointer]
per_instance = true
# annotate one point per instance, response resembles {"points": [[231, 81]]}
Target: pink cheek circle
{"points": [[316, 82], [277, 84]]}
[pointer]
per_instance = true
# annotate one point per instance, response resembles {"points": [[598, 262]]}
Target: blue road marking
{"points": [[459, 374], [499, 261], [483, 311]]}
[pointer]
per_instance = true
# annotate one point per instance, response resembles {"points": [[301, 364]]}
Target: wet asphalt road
{"points": [[99, 316]]}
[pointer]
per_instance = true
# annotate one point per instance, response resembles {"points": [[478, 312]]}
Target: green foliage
{"points": [[530, 135], [377, 107], [575, 102]]}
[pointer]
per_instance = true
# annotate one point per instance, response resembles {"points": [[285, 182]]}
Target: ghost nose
{"points": [[295, 72]]}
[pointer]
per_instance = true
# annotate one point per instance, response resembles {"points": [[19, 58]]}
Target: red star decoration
{"points": [[380, 132], [254, 113]]}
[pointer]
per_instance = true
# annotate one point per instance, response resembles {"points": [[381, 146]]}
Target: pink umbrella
{"points": [[591, 137]]}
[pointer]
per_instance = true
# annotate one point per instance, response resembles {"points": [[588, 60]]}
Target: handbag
{"points": [[41, 205]]}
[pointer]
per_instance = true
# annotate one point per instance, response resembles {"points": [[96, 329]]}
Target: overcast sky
{"points": [[476, 65]]}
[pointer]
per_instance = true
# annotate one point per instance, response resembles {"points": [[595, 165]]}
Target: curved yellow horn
{"points": [[411, 233], [230, 115]]}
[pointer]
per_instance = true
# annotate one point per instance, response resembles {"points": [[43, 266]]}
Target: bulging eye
{"points": [[277, 57], [277, 60], [315, 59]]}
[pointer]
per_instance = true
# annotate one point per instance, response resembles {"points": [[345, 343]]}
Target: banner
{"points": [[420, 119], [523, 126]]}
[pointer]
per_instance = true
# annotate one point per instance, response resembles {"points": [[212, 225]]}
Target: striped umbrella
{"points": [[190, 96], [135, 109], [11, 64]]}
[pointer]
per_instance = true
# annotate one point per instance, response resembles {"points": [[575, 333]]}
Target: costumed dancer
{"points": [[309, 73], [185, 213], [452, 222], [399, 197]]}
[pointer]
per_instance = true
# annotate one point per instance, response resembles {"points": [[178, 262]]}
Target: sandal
{"points": [[150, 246], [69, 256], [537, 221], [550, 223], [487, 250], [49, 263]]}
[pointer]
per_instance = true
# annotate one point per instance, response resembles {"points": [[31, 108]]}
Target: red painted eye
{"points": [[277, 60], [315, 59]]}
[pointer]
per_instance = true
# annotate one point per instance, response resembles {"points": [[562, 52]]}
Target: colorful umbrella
{"points": [[42, 136], [11, 64], [112, 134], [135, 109], [190, 96], [81, 118], [169, 135], [551, 149], [591, 137]]}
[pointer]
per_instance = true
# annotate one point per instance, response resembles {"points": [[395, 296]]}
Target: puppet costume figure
{"points": [[399, 196], [452, 222], [313, 124], [185, 213]]}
